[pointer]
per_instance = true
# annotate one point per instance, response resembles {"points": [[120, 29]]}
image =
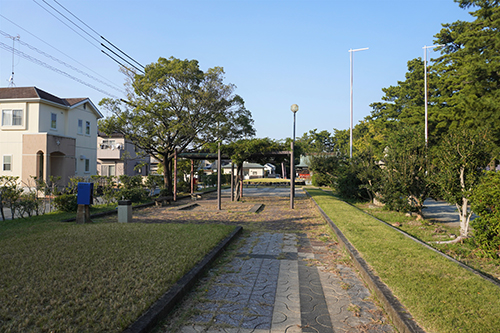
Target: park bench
{"points": [[163, 200]]}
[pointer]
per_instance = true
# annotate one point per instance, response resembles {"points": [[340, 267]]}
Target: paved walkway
{"points": [[278, 281], [442, 212], [273, 285]]}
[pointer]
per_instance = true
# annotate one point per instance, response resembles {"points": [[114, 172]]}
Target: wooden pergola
{"points": [[218, 156]]}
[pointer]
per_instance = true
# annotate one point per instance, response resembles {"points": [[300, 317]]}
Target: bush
{"points": [[486, 203], [66, 203], [133, 194]]}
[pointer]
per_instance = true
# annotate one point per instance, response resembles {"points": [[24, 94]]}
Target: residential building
{"points": [[43, 135], [270, 170], [118, 156], [250, 170]]}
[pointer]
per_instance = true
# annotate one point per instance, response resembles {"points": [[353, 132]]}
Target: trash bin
{"points": [[124, 211]]}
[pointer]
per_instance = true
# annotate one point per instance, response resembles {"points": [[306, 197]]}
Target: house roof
{"points": [[246, 165], [37, 93]]}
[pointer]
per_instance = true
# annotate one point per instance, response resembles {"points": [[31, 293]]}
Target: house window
{"points": [[87, 128], [53, 121], [7, 162], [108, 170], [12, 117], [80, 126], [87, 165]]}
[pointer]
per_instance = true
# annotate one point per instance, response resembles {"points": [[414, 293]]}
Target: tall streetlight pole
{"points": [[351, 51], [294, 109], [425, 84]]}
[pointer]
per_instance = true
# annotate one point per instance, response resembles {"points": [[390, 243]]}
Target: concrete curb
{"points": [[401, 318], [149, 319], [115, 211]]}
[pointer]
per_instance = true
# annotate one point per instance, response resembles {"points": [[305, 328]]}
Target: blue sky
{"points": [[276, 52]]}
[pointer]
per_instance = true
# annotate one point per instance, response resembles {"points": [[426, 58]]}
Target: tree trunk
{"points": [[463, 211], [167, 175]]}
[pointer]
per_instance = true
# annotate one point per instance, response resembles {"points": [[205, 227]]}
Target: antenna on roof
{"points": [[11, 79]]}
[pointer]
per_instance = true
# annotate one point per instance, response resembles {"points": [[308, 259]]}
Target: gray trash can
{"points": [[124, 211]]}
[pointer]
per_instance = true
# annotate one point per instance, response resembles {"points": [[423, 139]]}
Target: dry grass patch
{"points": [[95, 277]]}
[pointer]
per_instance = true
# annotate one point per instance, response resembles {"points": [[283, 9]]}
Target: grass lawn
{"points": [[441, 295], [466, 252], [65, 277]]}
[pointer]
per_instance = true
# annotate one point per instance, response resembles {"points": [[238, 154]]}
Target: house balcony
{"points": [[109, 152]]}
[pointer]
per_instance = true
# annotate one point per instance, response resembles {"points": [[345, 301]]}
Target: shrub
{"points": [[486, 203], [133, 194], [66, 203]]}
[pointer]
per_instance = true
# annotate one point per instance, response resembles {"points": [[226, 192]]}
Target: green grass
{"points": [[466, 251], [441, 295], [95, 277]]}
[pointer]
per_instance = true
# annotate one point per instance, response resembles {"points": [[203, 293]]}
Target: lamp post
{"points": [[425, 84], [351, 51], [294, 109]]}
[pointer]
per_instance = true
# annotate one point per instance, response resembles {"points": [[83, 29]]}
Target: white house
{"points": [[250, 170], [270, 170], [43, 135]]}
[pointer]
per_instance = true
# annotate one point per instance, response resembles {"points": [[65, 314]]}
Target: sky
{"points": [[276, 52]]}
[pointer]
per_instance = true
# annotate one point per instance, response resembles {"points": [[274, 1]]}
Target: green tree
{"points": [[175, 105], [459, 163], [404, 183], [469, 70], [255, 150], [317, 142]]}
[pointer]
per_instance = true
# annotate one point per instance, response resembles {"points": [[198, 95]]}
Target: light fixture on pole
{"points": [[351, 51], [294, 109], [425, 84]]}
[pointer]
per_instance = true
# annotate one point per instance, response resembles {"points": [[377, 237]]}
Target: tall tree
{"points": [[317, 142], [460, 160], [173, 106], [469, 69], [404, 181], [404, 104]]}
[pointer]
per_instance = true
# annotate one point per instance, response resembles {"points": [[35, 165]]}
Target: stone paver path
{"points": [[273, 285], [284, 274]]}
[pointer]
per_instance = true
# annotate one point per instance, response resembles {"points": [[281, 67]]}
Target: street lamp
{"points": [[294, 109], [425, 83], [351, 51]]}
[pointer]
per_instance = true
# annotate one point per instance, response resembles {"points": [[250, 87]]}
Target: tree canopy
{"points": [[173, 106]]}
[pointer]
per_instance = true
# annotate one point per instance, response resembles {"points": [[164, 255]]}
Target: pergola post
{"points": [[192, 178], [219, 169], [241, 181], [175, 174], [232, 181]]}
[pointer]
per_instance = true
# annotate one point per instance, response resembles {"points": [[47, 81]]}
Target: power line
{"points": [[67, 25], [56, 49], [126, 55], [75, 17], [41, 63], [60, 61], [122, 52], [128, 62]]}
